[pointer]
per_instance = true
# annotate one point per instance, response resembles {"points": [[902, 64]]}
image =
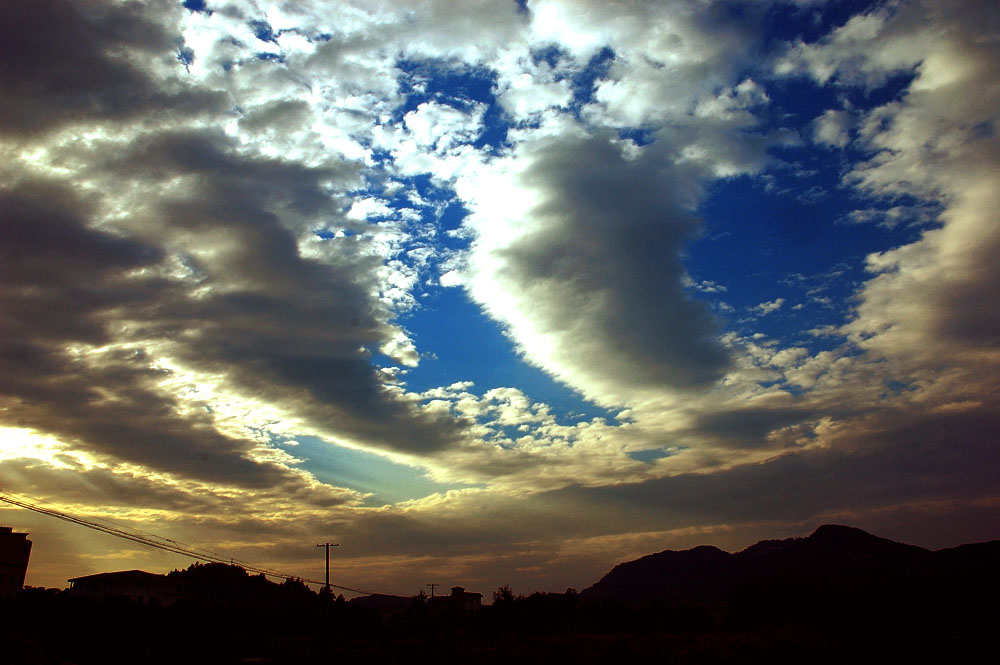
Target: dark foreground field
{"points": [[55, 629], [839, 595]]}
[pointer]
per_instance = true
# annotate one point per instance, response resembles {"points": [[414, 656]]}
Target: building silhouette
{"points": [[15, 548], [136, 585], [460, 601]]}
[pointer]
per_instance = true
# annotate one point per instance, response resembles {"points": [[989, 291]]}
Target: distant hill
{"points": [[382, 602], [834, 567]]}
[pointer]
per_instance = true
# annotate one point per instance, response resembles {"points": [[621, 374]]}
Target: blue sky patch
{"points": [[387, 481], [460, 343]]}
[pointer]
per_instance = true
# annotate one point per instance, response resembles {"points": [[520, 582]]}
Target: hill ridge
{"points": [[833, 554]]}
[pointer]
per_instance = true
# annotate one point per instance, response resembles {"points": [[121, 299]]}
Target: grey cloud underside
{"points": [[43, 240], [61, 281], [604, 267], [748, 427], [288, 325], [61, 62], [284, 113], [933, 457], [75, 483], [279, 327], [968, 315]]}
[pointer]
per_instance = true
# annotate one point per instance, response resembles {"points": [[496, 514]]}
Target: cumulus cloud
{"points": [[766, 308], [833, 128]]}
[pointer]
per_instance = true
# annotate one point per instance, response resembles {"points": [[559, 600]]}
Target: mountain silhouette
{"points": [[834, 567], [704, 573]]}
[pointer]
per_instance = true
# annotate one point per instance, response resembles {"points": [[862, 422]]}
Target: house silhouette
{"points": [[136, 585], [460, 601]]}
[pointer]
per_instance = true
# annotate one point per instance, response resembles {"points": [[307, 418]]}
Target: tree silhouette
{"points": [[503, 596]]}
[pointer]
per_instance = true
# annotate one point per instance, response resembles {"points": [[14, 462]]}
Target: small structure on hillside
{"points": [[136, 585], [460, 601], [15, 550]]}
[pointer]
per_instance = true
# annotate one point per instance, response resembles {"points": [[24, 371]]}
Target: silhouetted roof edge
{"points": [[121, 574]]}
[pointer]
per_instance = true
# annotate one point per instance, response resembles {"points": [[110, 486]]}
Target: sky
{"points": [[496, 292]]}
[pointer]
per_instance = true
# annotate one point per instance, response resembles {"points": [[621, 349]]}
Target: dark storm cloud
{"points": [[274, 324], [281, 323], [63, 61], [211, 271], [749, 427], [605, 266], [57, 273], [76, 484], [929, 457], [62, 283]]}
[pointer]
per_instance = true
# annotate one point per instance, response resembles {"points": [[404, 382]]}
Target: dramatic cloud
{"points": [[939, 143], [60, 65], [574, 271], [486, 287]]}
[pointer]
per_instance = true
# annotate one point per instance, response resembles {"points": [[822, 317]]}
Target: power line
{"points": [[94, 518], [158, 542]]}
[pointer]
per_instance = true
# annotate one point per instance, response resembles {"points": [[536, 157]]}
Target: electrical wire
{"points": [[93, 518], [155, 541]]}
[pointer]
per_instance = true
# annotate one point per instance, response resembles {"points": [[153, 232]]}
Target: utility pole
{"points": [[432, 585], [328, 546], [329, 599]]}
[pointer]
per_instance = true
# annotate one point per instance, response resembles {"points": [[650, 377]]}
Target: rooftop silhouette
{"points": [[15, 551]]}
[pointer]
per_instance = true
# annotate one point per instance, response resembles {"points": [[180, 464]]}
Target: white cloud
{"points": [[836, 56], [440, 127], [833, 128], [451, 278], [362, 209], [765, 308], [526, 96]]}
